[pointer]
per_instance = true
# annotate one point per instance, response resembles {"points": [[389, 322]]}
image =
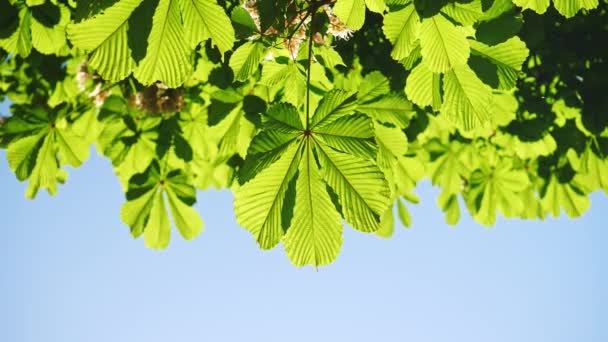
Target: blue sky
{"points": [[69, 271]]}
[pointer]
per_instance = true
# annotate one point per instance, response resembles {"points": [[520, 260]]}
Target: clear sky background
{"points": [[70, 272]]}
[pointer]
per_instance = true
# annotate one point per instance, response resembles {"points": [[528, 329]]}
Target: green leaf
{"points": [[404, 214], [315, 234], [508, 58], [465, 13], [246, 59], [392, 109], [401, 171], [497, 187], [329, 57], [499, 29], [205, 19], [556, 195], [50, 40], [377, 6], [351, 134], [448, 202], [467, 100], [105, 36], [387, 224], [157, 233], [9, 21], [423, 87], [351, 12], [538, 6], [44, 144], [532, 207], [258, 204], [168, 54], [447, 170], [444, 46], [46, 172], [568, 8], [274, 73], [429, 8], [334, 105], [402, 28], [593, 170], [72, 149], [244, 25], [391, 138], [265, 149], [373, 86], [22, 153], [360, 186], [145, 211], [284, 114], [182, 196], [20, 42]]}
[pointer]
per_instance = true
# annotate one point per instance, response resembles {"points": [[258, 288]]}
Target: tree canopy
{"points": [[314, 113]]}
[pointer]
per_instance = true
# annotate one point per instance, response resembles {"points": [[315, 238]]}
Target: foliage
{"points": [[313, 112]]}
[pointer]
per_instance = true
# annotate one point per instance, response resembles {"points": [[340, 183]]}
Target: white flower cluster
{"points": [[336, 27]]}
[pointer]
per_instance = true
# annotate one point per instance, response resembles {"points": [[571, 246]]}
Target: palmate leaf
{"points": [[105, 36], [168, 54], [44, 145], [130, 144], [447, 169], [205, 19], [443, 45], [322, 169], [177, 27], [145, 211], [39, 24], [494, 188]]}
